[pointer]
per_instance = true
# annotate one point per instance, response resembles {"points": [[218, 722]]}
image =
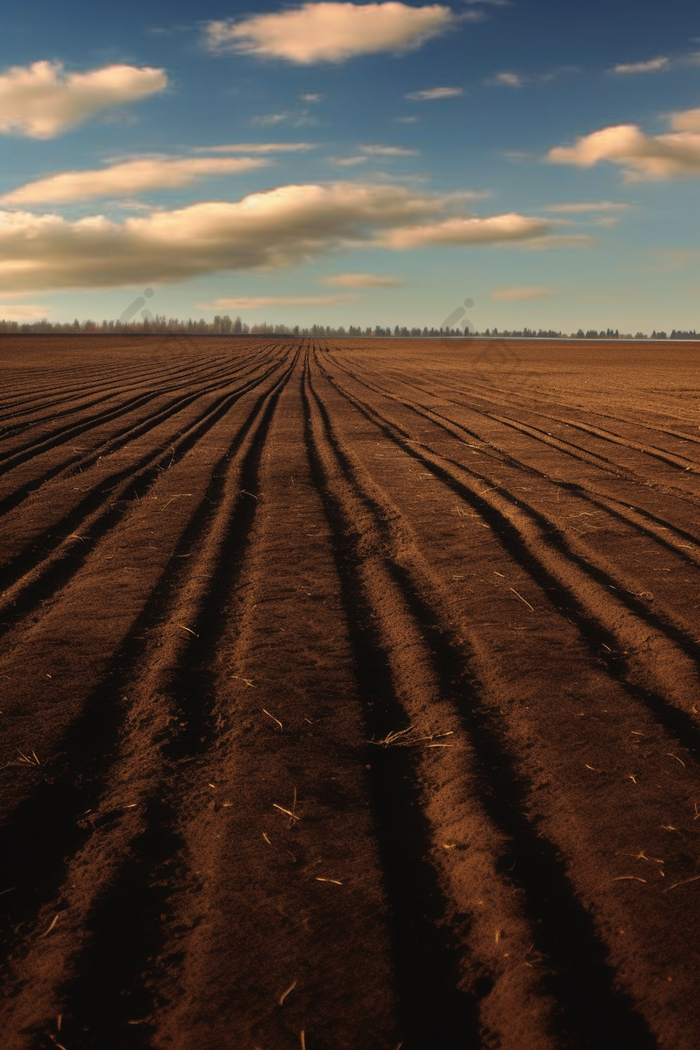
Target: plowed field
{"points": [[350, 695]]}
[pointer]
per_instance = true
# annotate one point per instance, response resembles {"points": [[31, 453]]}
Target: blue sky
{"points": [[353, 163]]}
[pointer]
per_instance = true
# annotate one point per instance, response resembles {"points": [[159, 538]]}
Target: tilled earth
{"points": [[350, 695]]}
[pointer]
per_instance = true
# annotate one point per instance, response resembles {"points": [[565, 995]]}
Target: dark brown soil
{"points": [[350, 695]]}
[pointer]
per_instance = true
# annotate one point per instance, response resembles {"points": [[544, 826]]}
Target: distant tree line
{"points": [[224, 325]]}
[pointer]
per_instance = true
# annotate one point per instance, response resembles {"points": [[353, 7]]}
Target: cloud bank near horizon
{"points": [[275, 229]]}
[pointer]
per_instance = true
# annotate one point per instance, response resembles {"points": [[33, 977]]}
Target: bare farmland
{"points": [[349, 695]]}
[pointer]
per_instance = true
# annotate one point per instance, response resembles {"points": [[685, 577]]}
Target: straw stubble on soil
{"points": [[350, 695]]}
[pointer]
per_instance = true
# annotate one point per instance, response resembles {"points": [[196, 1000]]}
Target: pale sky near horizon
{"points": [[348, 163]]}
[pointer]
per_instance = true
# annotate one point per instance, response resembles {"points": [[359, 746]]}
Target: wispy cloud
{"points": [[258, 147], [361, 280], [295, 119], [476, 230], [669, 260], [652, 65], [513, 80], [576, 207], [509, 78], [433, 94], [128, 179], [254, 302], [42, 101], [519, 293], [22, 312], [353, 161], [555, 241], [331, 32], [388, 151]]}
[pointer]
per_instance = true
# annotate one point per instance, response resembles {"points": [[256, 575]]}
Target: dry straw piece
{"points": [[401, 738], [286, 993], [524, 600], [683, 882], [273, 718], [26, 760], [47, 932], [291, 813]]}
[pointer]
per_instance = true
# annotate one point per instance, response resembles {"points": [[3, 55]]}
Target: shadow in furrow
{"points": [[434, 1013], [601, 641], [61, 436], [120, 439], [109, 1004], [136, 480], [23, 426], [193, 685], [60, 572], [38, 841], [592, 1013]]}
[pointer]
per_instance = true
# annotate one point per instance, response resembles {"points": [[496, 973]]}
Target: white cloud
{"points": [[653, 65], [518, 294], [432, 94], [361, 280], [312, 97], [331, 32], [252, 302], [459, 231], [41, 101], [506, 80], [258, 147], [127, 179], [277, 228], [389, 151], [642, 157], [576, 207]]}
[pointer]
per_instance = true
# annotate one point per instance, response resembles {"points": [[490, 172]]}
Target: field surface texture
{"points": [[350, 695]]}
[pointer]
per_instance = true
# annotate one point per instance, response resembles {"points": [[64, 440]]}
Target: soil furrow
{"points": [[53, 556], [144, 667], [577, 975], [80, 461], [583, 588], [167, 721], [316, 877], [685, 544]]}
